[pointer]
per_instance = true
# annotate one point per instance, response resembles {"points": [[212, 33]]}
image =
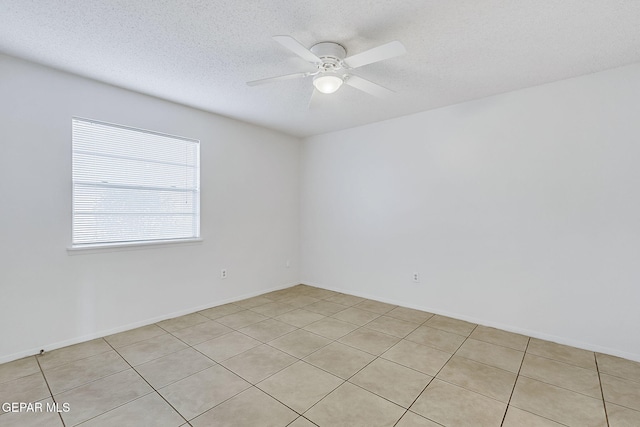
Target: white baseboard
{"points": [[104, 333], [530, 333]]}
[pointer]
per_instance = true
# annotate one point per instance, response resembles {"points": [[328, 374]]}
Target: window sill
{"points": [[117, 247]]}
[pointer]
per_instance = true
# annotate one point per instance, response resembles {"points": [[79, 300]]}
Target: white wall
{"points": [[519, 211], [49, 298]]}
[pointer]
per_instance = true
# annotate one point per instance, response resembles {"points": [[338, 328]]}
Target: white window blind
{"points": [[132, 185]]}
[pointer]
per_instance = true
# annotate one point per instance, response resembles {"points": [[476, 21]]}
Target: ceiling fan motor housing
{"points": [[331, 54], [333, 67]]}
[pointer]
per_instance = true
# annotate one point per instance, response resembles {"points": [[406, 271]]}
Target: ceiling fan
{"points": [[334, 67]]}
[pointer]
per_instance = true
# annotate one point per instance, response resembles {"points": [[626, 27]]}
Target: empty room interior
{"points": [[278, 213]]}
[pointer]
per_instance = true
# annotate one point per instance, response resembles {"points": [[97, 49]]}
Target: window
{"points": [[132, 185]]}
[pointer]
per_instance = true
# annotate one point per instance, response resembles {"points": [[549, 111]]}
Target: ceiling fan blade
{"points": [[277, 79], [369, 87], [294, 46], [380, 53]]}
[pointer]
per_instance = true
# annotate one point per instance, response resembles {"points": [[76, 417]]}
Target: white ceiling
{"points": [[201, 53]]}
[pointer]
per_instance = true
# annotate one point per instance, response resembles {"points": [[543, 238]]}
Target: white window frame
{"points": [[133, 243]]}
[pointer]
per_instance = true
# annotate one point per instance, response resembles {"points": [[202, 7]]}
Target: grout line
{"points": [[515, 382], [301, 359], [74, 360], [367, 364], [491, 366], [330, 342], [604, 403], [49, 388], [145, 380], [563, 361], [317, 367], [114, 408], [557, 386], [302, 416], [437, 373], [255, 385]]}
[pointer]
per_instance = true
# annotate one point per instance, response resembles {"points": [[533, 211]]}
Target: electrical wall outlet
{"points": [[416, 278], [223, 273]]}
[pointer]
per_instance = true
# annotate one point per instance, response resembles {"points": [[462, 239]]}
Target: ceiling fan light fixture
{"points": [[327, 83]]}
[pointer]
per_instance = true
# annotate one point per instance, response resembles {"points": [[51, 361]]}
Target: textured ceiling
{"points": [[201, 53]]}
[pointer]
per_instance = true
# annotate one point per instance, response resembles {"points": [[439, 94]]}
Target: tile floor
{"points": [[305, 356]]}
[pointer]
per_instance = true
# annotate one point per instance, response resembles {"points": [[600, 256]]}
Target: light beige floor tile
{"points": [[558, 384], [258, 363], [173, 367], [301, 422], [351, 406], [620, 391], [202, 332], [375, 306], [30, 388], [416, 356], [300, 386], [97, 397], [299, 343], [356, 316], [618, 367], [134, 335], [300, 317], [499, 337], [202, 391], [149, 410], [253, 302], [562, 353], [32, 419], [226, 346], [558, 404], [518, 418], [394, 382], [299, 301], [250, 408], [392, 326], [150, 349], [491, 354], [339, 359], [449, 324], [345, 299], [368, 340], [279, 294], [71, 353], [563, 375], [241, 319], [330, 328], [320, 293], [409, 314], [220, 311], [451, 405], [326, 308], [79, 372], [267, 330], [177, 323], [484, 379], [619, 416], [296, 293], [411, 419], [18, 368], [273, 309], [436, 338]]}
